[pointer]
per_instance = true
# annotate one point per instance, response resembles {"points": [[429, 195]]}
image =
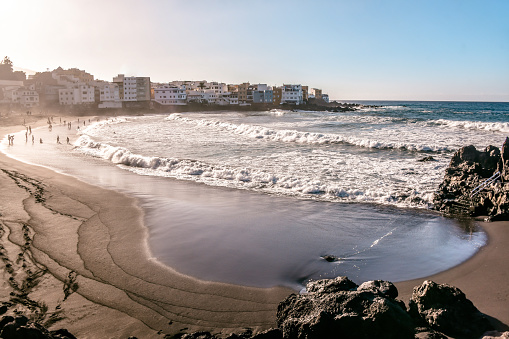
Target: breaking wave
{"points": [[245, 178], [260, 132], [475, 125]]}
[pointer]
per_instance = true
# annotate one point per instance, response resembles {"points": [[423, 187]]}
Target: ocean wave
{"points": [[246, 178], [474, 125], [260, 132]]}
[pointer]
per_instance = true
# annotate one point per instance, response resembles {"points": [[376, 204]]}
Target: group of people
{"points": [[11, 139]]}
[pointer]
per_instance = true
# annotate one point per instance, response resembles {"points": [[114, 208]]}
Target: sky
{"points": [[452, 50]]}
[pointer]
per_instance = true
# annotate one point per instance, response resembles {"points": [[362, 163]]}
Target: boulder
{"points": [[467, 170], [446, 309], [337, 308]]}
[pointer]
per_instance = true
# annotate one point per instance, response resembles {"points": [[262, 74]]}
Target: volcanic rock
{"points": [[446, 309], [339, 309]]}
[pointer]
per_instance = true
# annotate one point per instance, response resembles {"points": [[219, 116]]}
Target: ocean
{"points": [[259, 198]]}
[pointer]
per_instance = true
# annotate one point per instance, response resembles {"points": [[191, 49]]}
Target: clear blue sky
{"points": [[391, 50]]}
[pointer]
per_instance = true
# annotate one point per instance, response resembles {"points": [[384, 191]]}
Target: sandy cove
{"points": [[82, 236], [62, 237]]}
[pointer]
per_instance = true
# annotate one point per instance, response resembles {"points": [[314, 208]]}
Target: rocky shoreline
{"points": [[339, 308], [476, 183]]}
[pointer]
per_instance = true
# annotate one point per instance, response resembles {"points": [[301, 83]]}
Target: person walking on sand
{"points": [[58, 139], [30, 129], [33, 139], [40, 140], [68, 141], [26, 136]]}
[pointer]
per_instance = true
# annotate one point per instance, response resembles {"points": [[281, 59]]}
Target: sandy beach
{"points": [[81, 250]]}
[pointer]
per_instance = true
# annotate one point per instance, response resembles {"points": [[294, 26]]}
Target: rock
{"points": [[496, 335], [338, 309], [330, 258], [446, 309], [385, 288], [428, 158], [21, 327], [330, 285], [273, 333], [467, 170], [65, 334]]}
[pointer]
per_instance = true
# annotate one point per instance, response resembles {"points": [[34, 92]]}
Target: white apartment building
{"points": [[217, 87], [76, 95], [133, 88], [28, 97], [170, 95], [292, 94], [109, 96], [228, 99]]}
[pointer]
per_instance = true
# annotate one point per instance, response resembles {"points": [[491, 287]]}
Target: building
{"points": [[325, 97], [170, 95], [242, 90], [77, 95], [316, 93], [292, 94], [262, 94], [277, 93], [134, 91], [109, 95], [305, 93]]}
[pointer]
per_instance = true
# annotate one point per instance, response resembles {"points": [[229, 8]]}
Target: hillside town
{"points": [[75, 88]]}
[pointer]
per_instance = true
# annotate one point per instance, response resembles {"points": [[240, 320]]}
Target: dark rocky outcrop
{"points": [[446, 309], [21, 328], [339, 308], [467, 170]]}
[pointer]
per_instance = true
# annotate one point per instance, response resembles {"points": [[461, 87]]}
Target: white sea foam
{"points": [[475, 125], [260, 132], [276, 180]]}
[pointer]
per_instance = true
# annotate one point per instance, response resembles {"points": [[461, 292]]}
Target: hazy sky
{"points": [[392, 50]]}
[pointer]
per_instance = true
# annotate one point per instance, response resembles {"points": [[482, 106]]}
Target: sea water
{"points": [[258, 198]]}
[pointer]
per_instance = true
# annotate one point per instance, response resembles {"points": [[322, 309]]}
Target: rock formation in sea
{"points": [[476, 183], [339, 308]]}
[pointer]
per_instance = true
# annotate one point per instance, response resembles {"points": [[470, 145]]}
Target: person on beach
{"points": [[58, 139], [26, 136], [40, 140], [33, 139], [30, 129], [68, 141]]}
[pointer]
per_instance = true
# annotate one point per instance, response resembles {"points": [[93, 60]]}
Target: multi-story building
{"points": [[243, 89], [109, 95], [25, 96], [133, 89], [305, 93], [316, 93], [170, 95], [229, 98], [262, 94], [292, 94], [277, 93], [77, 95]]}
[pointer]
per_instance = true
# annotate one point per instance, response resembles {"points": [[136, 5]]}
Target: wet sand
{"points": [[66, 235], [80, 234], [484, 278]]}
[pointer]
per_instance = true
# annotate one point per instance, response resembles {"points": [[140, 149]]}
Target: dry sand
{"points": [[60, 236]]}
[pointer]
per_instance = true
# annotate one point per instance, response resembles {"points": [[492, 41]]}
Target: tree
{"points": [[6, 72]]}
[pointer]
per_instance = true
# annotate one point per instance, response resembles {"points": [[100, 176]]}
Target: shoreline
{"points": [[483, 277], [114, 285], [88, 235]]}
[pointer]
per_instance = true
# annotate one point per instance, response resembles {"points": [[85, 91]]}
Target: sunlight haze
{"points": [[353, 50]]}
